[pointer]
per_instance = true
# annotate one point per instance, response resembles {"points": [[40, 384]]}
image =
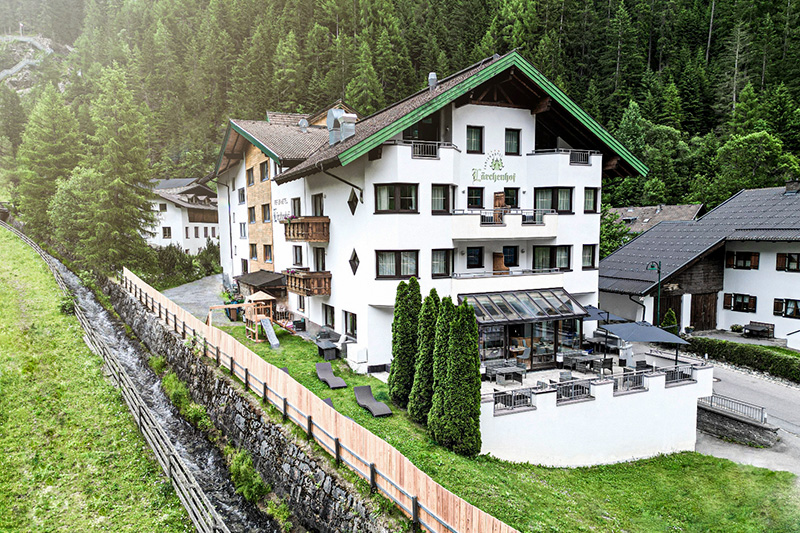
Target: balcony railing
{"points": [[306, 283], [678, 373], [307, 229], [423, 149], [518, 272], [629, 381], [576, 157], [496, 217]]}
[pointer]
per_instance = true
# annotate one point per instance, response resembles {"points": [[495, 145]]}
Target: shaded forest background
{"points": [[705, 91]]}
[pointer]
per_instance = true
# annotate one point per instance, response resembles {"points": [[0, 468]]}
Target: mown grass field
{"points": [[71, 458], [681, 492]]}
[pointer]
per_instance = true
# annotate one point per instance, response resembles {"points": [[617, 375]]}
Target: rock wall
{"points": [[320, 499], [729, 426]]}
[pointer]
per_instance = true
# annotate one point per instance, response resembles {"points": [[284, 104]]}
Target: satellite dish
{"points": [[303, 124]]}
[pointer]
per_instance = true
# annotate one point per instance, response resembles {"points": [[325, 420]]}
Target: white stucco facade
{"points": [[233, 226], [173, 227], [366, 231]]}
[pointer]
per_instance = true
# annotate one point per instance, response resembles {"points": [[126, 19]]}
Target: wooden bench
{"points": [[760, 329]]}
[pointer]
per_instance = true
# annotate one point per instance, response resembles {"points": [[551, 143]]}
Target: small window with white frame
{"points": [[589, 255], [350, 324], [328, 316]]}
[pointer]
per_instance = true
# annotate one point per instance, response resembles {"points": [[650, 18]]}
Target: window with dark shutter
{"points": [[780, 264], [730, 259], [751, 304], [777, 306], [754, 260], [727, 301]]}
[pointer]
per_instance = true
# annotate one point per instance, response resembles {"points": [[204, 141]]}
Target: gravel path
{"points": [[197, 296]]}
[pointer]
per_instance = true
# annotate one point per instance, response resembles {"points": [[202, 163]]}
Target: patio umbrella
{"points": [[645, 332], [601, 315]]}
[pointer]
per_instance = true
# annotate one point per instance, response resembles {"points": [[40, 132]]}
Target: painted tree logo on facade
{"points": [[492, 166]]}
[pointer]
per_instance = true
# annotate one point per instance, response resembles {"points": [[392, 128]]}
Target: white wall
{"points": [[233, 248], [608, 429], [177, 219], [621, 305], [766, 283]]}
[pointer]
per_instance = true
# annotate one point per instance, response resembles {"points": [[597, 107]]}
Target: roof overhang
{"points": [[234, 144], [522, 306]]}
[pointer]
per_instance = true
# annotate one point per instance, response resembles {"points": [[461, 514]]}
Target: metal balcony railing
{"points": [[496, 217]]}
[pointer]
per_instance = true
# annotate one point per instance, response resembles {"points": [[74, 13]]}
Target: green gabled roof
{"points": [[255, 142], [512, 59]]}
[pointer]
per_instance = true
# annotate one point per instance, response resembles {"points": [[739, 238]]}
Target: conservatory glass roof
{"points": [[523, 306]]}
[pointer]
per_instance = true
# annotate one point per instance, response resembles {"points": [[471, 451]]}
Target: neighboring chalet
{"points": [[186, 214], [641, 219], [738, 263], [485, 185]]}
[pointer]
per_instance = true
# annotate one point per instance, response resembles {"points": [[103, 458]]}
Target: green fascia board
{"points": [[222, 150], [252, 140], [512, 59]]}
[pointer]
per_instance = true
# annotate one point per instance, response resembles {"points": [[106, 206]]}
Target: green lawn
{"points": [[71, 458], [784, 351], [680, 492]]}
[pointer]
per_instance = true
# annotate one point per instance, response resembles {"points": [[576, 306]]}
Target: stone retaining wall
{"points": [[730, 426], [320, 499]]}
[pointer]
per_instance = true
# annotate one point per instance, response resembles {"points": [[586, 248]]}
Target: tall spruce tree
{"points": [[419, 403], [364, 92], [404, 341], [287, 74], [51, 147], [436, 420], [462, 408]]}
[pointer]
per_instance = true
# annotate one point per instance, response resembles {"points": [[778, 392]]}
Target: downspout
{"points": [[360, 190], [644, 309], [230, 227]]}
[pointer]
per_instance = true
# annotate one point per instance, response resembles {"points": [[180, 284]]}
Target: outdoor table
{"points": [[509, 373], [756, 330], [327, 350]]}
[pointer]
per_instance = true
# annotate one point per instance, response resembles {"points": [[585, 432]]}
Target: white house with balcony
{"points": [[186, 215], [486, 186]]}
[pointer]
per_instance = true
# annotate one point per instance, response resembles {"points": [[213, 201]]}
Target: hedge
{"points": [[749, 355]]}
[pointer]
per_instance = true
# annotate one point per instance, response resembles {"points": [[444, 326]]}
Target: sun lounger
{"points": [[325, 374], [365, 399], [329, 401], [285, 369]]}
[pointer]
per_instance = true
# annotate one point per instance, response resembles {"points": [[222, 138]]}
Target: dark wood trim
{"points": [[397, 210], [483, 259], [397, 265]]}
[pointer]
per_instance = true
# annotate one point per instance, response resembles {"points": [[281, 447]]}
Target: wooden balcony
{"points": [[306, 283], [307, 229]]}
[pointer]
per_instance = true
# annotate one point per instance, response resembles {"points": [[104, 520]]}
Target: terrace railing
{"points": [[518, 272], [573, 390], [496, 217], [678, 373], [630, 381], [738, 407], [514, 399]]}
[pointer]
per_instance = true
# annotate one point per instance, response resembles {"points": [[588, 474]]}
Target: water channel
{"points": [[201, 457]]}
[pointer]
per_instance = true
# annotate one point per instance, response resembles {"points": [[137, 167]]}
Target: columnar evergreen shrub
{"points": [[419, 403], [670, 322], [440, 356], [404, 341], [462, 408]]}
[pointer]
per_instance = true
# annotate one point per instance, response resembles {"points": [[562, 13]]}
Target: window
{"points": [[512, 197], [263, 170], [205, 232], [397, 264], [244, 266], [440, 199], [166, 232], [788, 262], [254, 252], [213, 232], [242, 230], [250, 179], [268, 253], [297, 255], [187, 232], [197, 232], [162, 207], [296, 207], [511, 256], [551, 257], [791, 308], [739, 302], [396, 198], [590, 200], [475, 197], [251, 215], [301, 303], [588, 256], [328, 315], [474, 139], [558, 198], [265, 213], [317, 205], [441, 263], [350, 324], [241, 195], [475, 257], [512, 142], [742, 260]]}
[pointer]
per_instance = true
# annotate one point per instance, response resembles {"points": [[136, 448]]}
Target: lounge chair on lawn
{"points": [[325, 374], [365, 399], [285, 369], [329, 401]]}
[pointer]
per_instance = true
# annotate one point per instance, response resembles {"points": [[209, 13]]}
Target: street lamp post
{"points": [[656, 265]]}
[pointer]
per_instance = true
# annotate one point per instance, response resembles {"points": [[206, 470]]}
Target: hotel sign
{"points": [[492, 170]]}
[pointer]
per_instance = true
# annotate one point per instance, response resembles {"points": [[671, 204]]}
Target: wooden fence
{"points": [[203, 515], [427, 503]]}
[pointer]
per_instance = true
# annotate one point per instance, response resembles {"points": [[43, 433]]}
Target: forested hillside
{"points": [[705, 91]]}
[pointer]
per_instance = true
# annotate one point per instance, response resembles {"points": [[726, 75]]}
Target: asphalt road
{"points": [[197, 296]]}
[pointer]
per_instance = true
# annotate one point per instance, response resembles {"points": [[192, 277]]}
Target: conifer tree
{"points": [[364, 92], [631, 130], [51, 147], [672, 111], [462, 407], [419, 403], [287, 69], [746, 117], [440, 358], [12, 116], [404, 341]]}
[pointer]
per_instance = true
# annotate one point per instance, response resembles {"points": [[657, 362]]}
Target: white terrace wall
{"points": [[607, 429]]}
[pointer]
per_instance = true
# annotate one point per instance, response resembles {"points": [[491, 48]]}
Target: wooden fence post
{"points": [[415, 513], [337, 448], [205, 347], [232, 363], [246, 379], [309, 427], [373, 478], [264, 393], [217, 350], [183, 329], [285, 409]]}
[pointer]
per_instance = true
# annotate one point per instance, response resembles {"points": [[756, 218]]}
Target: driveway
{"points": [[197, 296]]}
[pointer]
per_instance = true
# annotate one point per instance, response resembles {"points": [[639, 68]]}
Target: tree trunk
{"points": [[710, 28]]}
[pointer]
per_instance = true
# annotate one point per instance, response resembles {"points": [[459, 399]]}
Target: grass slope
{"points": [[679, 492], [72, 458]]}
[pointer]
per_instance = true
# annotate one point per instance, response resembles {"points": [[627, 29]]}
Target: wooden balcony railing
{"points": [[306, 283], [307, 229]]}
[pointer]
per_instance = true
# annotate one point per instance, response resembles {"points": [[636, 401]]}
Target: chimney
{"points": [[793, 187], [347, 124], [334, 129], [432, 81]]}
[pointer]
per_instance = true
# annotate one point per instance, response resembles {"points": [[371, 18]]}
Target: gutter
{"points": [[644, 309]]}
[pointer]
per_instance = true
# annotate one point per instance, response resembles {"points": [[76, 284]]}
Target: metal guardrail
{"points": [[514, 399], [203, 514], [630, 381], [518, 272], [573, 390], [496, 217], [732, 405], [678, 373]]}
